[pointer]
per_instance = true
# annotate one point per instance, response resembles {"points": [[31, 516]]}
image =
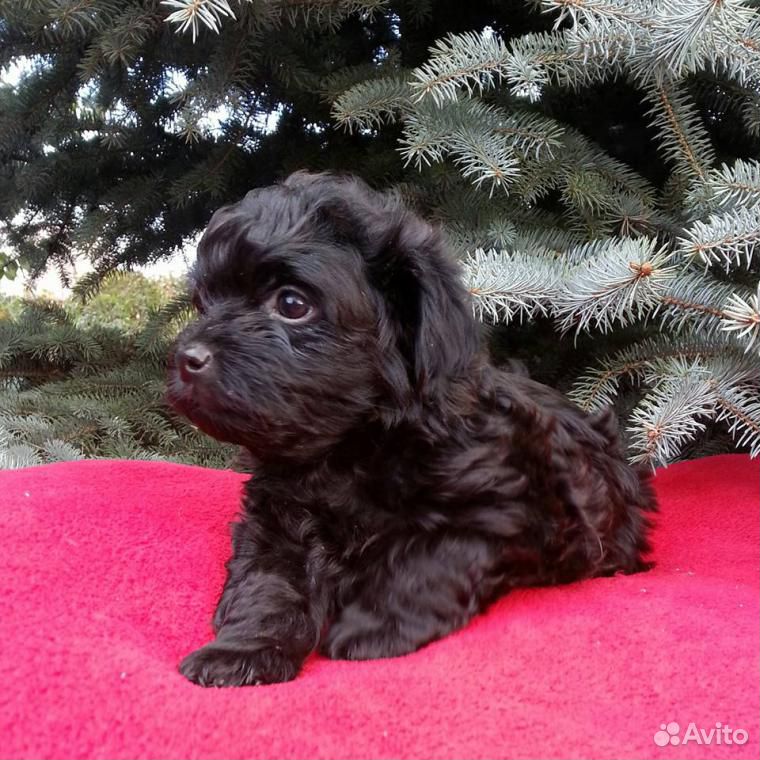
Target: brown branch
{"points": [[680, 136], [691, 306], [630, 367], [733, 409], [9, 374]]}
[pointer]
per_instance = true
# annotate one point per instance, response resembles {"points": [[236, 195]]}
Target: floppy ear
{"points": [[440, 337], [427, 333], [426, 309]]}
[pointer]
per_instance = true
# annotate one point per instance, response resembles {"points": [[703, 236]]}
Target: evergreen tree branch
{"points": [[506, 286], [470, 61], [688, 33], [467, 131], [729, 187], [682, 136], [163, 324], [696, 300], [671, 413], [373, 103], [600, 386], [741, 316], [618, 281], [740, 408], [751, 115], [573, 58], [729, 238], [191, 14], [623, 14]]}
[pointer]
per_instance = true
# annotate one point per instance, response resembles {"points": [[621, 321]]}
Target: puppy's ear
{"points": [[439, 336], [425, 308], [427, 333]]}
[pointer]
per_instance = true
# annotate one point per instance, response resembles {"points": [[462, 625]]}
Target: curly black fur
{"points": [[402, 482]]}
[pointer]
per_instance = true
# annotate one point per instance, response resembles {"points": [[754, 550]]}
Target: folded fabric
{"points": [[110, 572]]}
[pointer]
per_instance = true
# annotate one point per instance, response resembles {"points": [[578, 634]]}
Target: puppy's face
{"points": [[312, 309]]}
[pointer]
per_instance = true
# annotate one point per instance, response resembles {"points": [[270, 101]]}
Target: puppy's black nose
{"points": [[193, 361]]}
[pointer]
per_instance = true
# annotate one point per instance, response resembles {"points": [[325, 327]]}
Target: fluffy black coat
{"points": [[402, 482]]}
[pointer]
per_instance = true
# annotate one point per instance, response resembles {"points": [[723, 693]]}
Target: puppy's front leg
{"points": [[435, 586], [266, 623]]}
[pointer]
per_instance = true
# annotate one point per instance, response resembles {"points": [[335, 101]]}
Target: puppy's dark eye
{"points": [[292, 305]]}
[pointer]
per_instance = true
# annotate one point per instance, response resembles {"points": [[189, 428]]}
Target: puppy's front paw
{"points": [[218, 665]]}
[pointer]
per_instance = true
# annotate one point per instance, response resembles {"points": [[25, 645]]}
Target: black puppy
{"points": [[402, 482]]}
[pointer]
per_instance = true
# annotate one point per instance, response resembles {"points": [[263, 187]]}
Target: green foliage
{"points": [[124, 301], [119, 138], [594, 162], [82, 381], [8, 267], [621, 255]]}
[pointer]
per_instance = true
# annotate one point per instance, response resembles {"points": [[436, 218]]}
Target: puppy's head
{"points": [[323, 306]]}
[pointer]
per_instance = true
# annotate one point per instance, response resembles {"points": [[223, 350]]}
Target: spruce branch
{"points": [[537, 179], [126, 34], [88, 403], [163, 324], [324, 13], [485, 157], [600, 39], [15, 456], [55, 450], [472, 61], [687, 34], [502, 233], [208, 178], [467, 131], [626, 15], [338, 82], [729, 238], [741, 316], [77, 19], [632, 217], [190, 14], [586, 192], [373, 103], [695, 300], [530, 135], [581, 153], [681, 133], [194, 14], [733, 368], [731, 186], [528, 68], [91, 283], [505, 286], [741, 53], [751, 115], [572, 58], [62, 344], [535, 238], [600, 386], [672, 413], [740, 409], [618, 281]]}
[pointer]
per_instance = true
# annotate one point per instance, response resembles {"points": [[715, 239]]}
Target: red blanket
{"points": [[110, 572]]}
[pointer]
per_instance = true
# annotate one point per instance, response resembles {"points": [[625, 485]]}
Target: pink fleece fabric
{"points": [[110, 572]]}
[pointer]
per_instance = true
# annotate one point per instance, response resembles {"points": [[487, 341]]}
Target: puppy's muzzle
{"points": [[194, 362]]}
